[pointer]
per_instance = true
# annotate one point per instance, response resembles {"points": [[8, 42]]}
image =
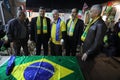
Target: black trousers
{"points": [[56, 50], [42, 40], [17, 46], [71, 45]]}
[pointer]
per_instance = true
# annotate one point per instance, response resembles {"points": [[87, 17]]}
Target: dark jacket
{"points": [[117, 27], [77, 31], [33, 29], [14, 30], [94, 38]]}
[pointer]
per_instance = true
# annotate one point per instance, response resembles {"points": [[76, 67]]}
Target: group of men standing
{"points": [[42, 31]]}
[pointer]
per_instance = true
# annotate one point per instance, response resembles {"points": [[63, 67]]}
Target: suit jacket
{"points": [[33, 29], [94, 38], [77, 31], [117, 27]]}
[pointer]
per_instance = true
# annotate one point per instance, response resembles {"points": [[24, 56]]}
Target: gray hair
{"points": [[55, 11], [98, 7]]}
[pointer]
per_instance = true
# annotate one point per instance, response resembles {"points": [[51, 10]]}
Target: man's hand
{"points": [[84, 57], [12, 47], [12, 44], [62, 41], [49, 41]]}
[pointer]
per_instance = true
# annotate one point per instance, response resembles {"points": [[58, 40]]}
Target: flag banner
{"points": [[85, 6], [43, 68], [80, 15], [108, 7]]}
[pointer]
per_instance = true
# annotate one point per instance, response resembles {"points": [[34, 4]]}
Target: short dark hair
{"points": [[42, 8], [76, 10]]}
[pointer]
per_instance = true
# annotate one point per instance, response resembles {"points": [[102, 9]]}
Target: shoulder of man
{"points": [[12, 21], [67, 20], [48, 19], [80, 20], [100, 21], [34, 18]]}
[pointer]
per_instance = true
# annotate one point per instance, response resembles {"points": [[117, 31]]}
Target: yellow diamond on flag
{"points": [[59, 72]]}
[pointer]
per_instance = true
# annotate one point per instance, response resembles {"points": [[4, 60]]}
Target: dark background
{"points": [[62, 5]]}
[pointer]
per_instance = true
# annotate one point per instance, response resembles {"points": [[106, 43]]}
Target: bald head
{"points": [[95, 11]]}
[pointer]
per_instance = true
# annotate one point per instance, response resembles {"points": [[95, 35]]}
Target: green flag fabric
{"points": [[43, 68]]}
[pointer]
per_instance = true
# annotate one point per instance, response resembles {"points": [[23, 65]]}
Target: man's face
{"points": [[93, 12], [73, 13], [55, 16], [22, 16], [42, 12]]}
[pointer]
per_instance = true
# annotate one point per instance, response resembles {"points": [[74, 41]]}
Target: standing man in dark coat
{"points": [[18, 33], [74, 31], [117, 28], [40, 31], [117, 32], [94, 33]]}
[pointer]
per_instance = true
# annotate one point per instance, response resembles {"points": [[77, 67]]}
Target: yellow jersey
{"points": [[53, 32]]}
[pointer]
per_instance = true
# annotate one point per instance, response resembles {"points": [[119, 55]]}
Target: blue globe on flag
{"points": [[39, 71]]}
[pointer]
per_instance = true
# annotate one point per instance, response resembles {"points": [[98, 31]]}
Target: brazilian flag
{"points": [[43, 68]]}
